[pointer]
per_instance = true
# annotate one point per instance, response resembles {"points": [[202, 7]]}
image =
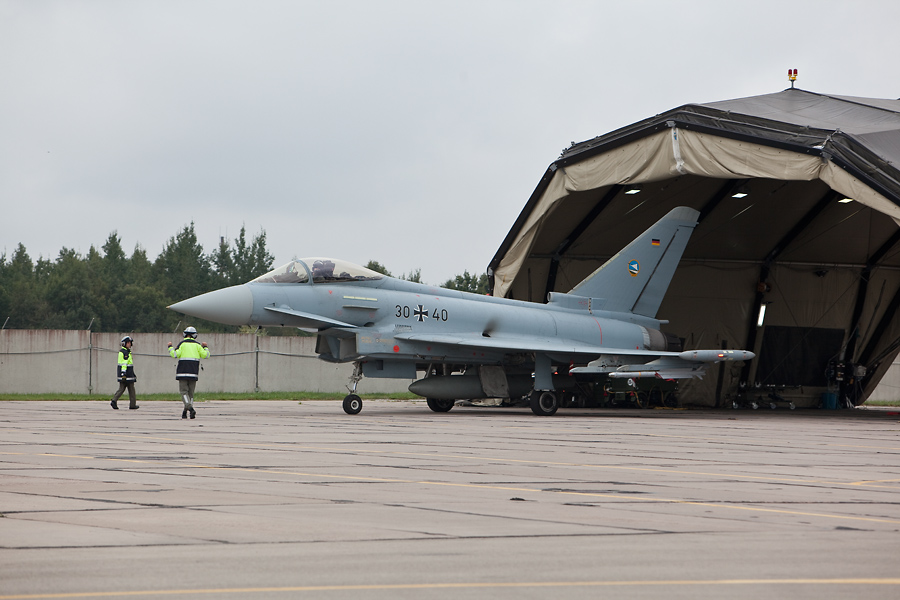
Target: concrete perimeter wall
{"points": [[46, 361]]}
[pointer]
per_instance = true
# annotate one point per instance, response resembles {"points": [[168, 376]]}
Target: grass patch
{"points": [[206, 396], [882, 403]]}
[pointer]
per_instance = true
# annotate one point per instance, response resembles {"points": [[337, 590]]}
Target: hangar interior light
{"points": [[762, 314], [845, 200], [741, 192]]}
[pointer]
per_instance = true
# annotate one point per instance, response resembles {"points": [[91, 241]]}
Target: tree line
{"points": [[108, 291]]}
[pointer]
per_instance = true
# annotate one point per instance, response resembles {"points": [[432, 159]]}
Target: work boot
{"points": [[184, 414], [193, 413], [114, 404]]}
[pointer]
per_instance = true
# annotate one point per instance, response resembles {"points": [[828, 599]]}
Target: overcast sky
{"points": [[411, 133]]}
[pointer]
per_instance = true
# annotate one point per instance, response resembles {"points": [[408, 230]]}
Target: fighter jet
{"points": [[602, 333]]}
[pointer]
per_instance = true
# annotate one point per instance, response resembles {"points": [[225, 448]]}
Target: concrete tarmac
{"points": [[280, 500]]}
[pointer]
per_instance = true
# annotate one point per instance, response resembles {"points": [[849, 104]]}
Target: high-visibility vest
{"points": [[125, 368], [188, 352]]}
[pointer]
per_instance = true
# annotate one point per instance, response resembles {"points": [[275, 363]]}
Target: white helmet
{"points": [[190, 332]]}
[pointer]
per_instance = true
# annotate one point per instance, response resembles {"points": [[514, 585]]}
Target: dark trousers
{"points": [[186, 388], [129, 385]]}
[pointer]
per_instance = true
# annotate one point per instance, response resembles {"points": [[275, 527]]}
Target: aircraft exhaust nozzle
{"points": [[231, 306]]}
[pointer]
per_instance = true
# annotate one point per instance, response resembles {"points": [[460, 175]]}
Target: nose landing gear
{"points": [[353, 403]]}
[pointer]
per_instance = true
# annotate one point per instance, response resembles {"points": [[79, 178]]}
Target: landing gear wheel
{"points": [[544, 404], [440, 406], [352, 404]]}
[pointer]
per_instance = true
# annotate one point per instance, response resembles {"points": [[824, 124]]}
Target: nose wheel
{"points": [[352, 404]]}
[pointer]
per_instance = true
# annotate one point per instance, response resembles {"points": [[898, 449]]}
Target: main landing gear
{"points": [[544, 404], [440, 406]]}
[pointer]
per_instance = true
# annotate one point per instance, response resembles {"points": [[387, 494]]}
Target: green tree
{"points": [[115, 263], [468, 283], [27, 308], [143, 310], [114, 272], [241, 264], [378, 267], [67, 294], [414, 276], [4, 291], [223, 264], [77, 294], [101, 292], [250, 260], [119, 293], [140, 269], [182, 270]]}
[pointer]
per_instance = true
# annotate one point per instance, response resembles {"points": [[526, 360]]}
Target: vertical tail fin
{"points": [[636, 279]]}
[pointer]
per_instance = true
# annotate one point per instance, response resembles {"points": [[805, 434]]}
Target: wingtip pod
{"points": [[716, 355]]}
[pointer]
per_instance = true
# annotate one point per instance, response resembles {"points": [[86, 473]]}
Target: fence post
{"points": [[90, 360], [256, 385]]}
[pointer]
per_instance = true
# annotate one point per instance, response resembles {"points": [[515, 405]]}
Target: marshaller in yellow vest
{"points": [[188, 352], [125, 375]]}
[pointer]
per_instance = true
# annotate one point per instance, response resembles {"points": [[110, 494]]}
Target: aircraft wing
{"points": [[309, 320], [525, 344], [666, 365]]}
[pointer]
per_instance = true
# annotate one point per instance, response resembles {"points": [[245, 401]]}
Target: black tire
{"points": [[544, 404], [440, 406], [352, 404]]}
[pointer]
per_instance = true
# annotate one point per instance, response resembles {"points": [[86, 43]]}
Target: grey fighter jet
{"points": [[601, 334]]}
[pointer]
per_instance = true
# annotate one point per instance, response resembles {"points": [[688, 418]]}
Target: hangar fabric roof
{"points": [[795, 156]]}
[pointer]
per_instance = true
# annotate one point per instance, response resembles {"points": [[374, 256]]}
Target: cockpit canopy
{"points": [[319, 270]]}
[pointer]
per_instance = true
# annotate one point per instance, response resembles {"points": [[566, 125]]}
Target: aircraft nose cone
{"points": [[232, 305]]}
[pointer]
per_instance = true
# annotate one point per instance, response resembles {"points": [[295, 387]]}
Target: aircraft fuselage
{"points": [[392, 319]]}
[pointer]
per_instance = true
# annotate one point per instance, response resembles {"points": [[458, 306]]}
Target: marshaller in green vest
{"points": [[188, 352], [125, 375]]}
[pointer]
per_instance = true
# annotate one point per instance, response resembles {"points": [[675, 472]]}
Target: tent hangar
{"points": [[796, 255]]}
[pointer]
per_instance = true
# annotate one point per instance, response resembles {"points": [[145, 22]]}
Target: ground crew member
{"points": [[188, 352], [125, 375]]}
